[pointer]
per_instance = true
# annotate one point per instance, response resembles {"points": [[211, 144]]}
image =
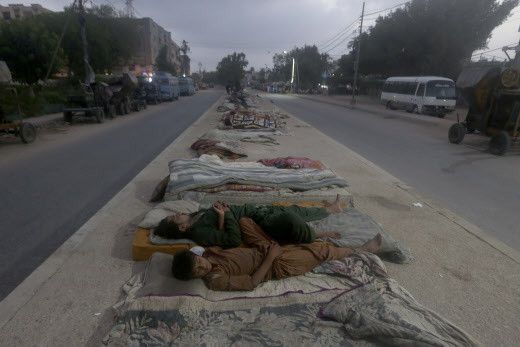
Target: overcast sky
{"points": [[259, 28]]}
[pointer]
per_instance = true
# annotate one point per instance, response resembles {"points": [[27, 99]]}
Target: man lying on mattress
{"points": [[244, 268], [218, 226]]}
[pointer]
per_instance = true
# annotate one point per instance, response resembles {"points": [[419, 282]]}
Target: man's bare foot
{"points": [[335, 207], [374, 245], [331, 234]]}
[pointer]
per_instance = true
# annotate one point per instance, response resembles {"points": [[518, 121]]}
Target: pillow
{"points": [[165, 209]]}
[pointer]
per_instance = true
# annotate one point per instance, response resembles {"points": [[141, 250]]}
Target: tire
{"points": [[111, 111], [99, 115], [456, 133], [500, 143], [390, 105], [441, 115], [27, 132], [67, 117]]}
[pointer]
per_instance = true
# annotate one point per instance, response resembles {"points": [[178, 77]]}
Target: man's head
{"points": [[173, 227], [187, 265]]}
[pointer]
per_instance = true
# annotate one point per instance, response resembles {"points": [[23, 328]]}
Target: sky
{"points": [[260, 28]]}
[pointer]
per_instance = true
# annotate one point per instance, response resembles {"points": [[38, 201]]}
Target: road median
{"points": [[67, 300]]}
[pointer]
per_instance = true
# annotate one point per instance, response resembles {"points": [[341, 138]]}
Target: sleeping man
{"points": [[245, 268], [218, 226]]}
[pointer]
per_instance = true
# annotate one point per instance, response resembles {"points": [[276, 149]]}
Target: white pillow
{"points": [[165, 209]]}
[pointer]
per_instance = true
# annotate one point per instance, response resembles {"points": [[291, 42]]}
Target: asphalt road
{"points": [[52, 187], [482, 188]]}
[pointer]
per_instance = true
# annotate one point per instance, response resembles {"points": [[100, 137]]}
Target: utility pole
{"points": [[83, 33], [358, 55], [129, 8]]}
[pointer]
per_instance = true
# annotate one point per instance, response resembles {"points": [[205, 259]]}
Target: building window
{"points": [[6, 15]]}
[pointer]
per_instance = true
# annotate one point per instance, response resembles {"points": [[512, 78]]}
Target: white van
{"points": [[423, 94]]}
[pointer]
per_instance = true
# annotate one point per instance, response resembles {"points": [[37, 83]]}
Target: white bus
{"points": [[423, 94]]}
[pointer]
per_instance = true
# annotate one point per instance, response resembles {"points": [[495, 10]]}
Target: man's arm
{"points": [[224, 282], [274, 251]]}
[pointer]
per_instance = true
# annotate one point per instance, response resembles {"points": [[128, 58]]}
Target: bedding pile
{"points": [[293, 163], [211, 172], [241, 136], [355, 294], [228, 149]]}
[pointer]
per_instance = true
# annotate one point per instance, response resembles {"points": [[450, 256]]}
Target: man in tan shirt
{"points": [[245, 268]]}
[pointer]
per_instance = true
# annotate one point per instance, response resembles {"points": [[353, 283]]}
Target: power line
{"points": [[339, 43], [387, 9], [338, 35], [493, 50]]}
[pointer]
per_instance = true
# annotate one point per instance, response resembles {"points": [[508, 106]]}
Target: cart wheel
{"points": [[111, 111], [100, 115], [390, 105], [67, 117], [456, 133], [441, 115], [500, 143], [27, 132]]}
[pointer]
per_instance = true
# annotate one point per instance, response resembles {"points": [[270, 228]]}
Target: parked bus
{"points": [[187, 86], [168, 86], [424, 94]]}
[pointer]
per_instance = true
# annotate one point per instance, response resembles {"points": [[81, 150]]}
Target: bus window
{"points": [[441, 90], [420, 90]]}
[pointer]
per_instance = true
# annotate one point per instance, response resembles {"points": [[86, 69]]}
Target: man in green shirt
{"points": [[219, 225]]}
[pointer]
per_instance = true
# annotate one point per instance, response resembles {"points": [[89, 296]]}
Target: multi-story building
{"points": [[152, 38], [18, 11]]}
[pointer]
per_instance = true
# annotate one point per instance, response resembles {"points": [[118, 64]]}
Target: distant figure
{"points": [[228, 88], [237, 86]]}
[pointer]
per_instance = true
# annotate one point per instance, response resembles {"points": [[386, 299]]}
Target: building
{"points": [[18, 11], [152, 37]]}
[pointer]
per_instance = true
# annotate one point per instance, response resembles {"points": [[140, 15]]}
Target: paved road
{"points": [[480, 187], [53, 187]]}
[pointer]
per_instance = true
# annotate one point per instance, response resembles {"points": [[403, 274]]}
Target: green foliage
{"points": [[162, 63], [27, 47], [231, 68], [310, 62], [34, 100], [431, 37]]}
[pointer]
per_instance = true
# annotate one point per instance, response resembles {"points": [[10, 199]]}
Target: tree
{"points": [[111, 39], [231, 68], [431, 37], [311, 65], [28, 47], [162, 62]]}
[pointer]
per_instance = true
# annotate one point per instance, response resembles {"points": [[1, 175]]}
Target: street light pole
{"points": [[358, 55], [83, 33]]}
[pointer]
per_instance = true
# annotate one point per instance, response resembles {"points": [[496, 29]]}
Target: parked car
{"points": [[168, 86], [187, 87]]}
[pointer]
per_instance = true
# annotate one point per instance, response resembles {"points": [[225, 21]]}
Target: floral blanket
{"points": [[359, 316]]}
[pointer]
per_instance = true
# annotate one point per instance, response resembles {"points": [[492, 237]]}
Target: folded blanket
{"points": [[242, 136], [293, 163], [237, 188], [210, 171]]}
